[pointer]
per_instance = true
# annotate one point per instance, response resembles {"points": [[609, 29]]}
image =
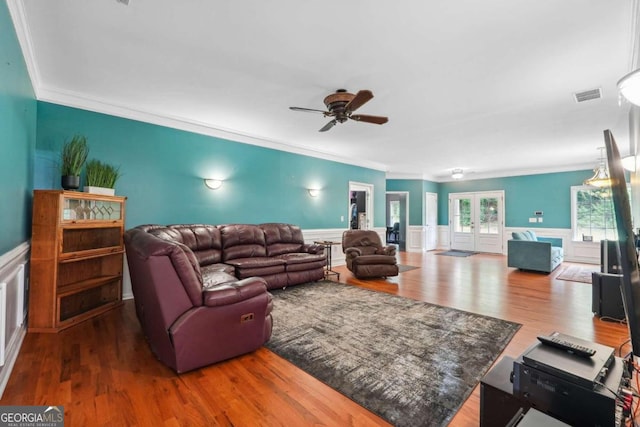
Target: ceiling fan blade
{"points": [[359, 100], [379, 120], [310, 110], [328, 126]]}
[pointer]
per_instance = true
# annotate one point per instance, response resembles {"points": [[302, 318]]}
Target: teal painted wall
{"points": [[162, 171], [17, 138], [416, 189], [550, 193]]}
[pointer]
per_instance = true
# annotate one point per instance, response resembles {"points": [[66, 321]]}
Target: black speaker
{"points": [[498, 405], [610, 257], [606, 296]]}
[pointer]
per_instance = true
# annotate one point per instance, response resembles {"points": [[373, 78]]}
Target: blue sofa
{"points": [[526, 251]]}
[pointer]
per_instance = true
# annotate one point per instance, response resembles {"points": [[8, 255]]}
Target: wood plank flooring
{"points": [[103, 372]]}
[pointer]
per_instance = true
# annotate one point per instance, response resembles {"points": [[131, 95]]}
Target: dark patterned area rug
{"points": [[410, 362]]}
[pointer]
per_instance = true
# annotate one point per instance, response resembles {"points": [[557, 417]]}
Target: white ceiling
{"points": [[486, 86]]}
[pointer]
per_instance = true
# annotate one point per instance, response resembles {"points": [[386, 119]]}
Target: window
{"points": [[394, 212], [592, 216]]}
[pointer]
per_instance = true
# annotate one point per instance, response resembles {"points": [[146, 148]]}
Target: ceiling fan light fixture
{"points": [[457, 174], [629, 87]]}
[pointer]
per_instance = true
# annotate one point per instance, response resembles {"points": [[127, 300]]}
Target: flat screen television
{"points": [[626, 238]]}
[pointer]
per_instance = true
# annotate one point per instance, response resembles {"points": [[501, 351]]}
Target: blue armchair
{"points": [[526, 251]]}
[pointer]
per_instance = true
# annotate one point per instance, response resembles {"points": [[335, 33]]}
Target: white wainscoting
{"points": [[333, 235], [415, 238], [13, 307], [574, 251]]}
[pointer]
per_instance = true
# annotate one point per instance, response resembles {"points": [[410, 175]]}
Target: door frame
{"points": [[403, 229], [368, 189], [476, 234]]}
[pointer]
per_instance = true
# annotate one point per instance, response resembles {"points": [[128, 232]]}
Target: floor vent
{"points": [[587, 95]]}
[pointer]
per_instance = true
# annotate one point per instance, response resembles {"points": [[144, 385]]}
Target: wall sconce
{"points": [[313, 192], [629, 163], [213, 184]]}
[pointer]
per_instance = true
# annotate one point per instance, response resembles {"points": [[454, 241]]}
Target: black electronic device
{"points": [[498, 405], [609, 256], [583, 371], [606, 297], [568, 346], [564, 398], [626, 239]]}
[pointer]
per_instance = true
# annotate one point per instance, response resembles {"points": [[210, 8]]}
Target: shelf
{"points": [[85, 284], [95, 253], [77, 258]]}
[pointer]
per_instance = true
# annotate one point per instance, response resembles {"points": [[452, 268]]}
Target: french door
{"points": [[476, 221]]}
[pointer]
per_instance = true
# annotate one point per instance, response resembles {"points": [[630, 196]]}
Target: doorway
{"points": [[360, 206], [431, 221], [476, 221], [397, 218]]}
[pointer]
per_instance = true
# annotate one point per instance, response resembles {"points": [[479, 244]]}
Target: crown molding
{"points": [[77, 100]]}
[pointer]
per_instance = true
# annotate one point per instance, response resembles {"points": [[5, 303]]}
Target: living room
{"points": [[163, 166]]}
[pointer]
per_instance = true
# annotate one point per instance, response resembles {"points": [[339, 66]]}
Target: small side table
{"points": [[327, 247]]}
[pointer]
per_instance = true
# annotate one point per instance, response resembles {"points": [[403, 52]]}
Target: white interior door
{"points": [[431, 221], [461, 225], [476, 221]]}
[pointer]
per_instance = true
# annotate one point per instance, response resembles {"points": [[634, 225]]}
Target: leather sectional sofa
{"points": [[201, 291]]}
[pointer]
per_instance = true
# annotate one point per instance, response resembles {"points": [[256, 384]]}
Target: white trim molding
{"points": [[13, 308]]}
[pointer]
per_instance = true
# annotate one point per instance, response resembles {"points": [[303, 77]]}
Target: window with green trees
{"points": [[592, 214]]}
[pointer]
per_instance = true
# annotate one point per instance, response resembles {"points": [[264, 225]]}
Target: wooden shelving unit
{"points": [[77, 251]]}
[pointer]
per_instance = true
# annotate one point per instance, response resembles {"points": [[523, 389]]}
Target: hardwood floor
{"points": [[103, 372]]}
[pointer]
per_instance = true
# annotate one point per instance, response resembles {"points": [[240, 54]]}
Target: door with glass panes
{"points": [[476, 221]]}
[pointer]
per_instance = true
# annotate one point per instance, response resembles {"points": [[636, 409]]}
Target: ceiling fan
{"points": [[341, 106]]}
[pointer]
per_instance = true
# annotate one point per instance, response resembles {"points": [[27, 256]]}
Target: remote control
{"points": [[570, 347]]}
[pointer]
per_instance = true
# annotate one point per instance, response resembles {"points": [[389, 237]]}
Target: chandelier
{"points": [[600, 177]]}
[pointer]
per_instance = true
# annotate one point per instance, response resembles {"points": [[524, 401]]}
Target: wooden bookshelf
{"points": [[77, 254]]}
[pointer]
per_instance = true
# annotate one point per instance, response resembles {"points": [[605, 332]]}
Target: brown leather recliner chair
{"points": [[365, 255]]}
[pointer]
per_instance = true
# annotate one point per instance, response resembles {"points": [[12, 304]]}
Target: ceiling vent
{"points": [[587, 95]]}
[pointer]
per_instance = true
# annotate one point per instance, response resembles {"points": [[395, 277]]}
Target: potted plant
{"points": [[73, 156], [101, 177]]}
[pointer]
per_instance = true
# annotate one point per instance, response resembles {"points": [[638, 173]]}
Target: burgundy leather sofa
{"points": [[365, 255], [200, 290], [274, 251], [191, 319]]}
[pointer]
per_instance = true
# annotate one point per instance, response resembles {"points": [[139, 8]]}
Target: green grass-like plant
{"points": [[74, 155], [102, 174]]}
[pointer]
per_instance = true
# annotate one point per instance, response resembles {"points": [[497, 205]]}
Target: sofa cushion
{"points": [[204, 240], [520, 235], [301, 258], [233, 292], [532, 235], [282, 238], [242, 241], [214, 268], [374, 259]]}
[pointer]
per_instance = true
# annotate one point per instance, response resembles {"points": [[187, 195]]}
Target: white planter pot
{"points": [[100, 190]]}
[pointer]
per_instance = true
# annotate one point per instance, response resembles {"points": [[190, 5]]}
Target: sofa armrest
{"points": [[533, 255], [233, 292], [389, 250], [555, 241], [351, 253], [312, 249]]}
